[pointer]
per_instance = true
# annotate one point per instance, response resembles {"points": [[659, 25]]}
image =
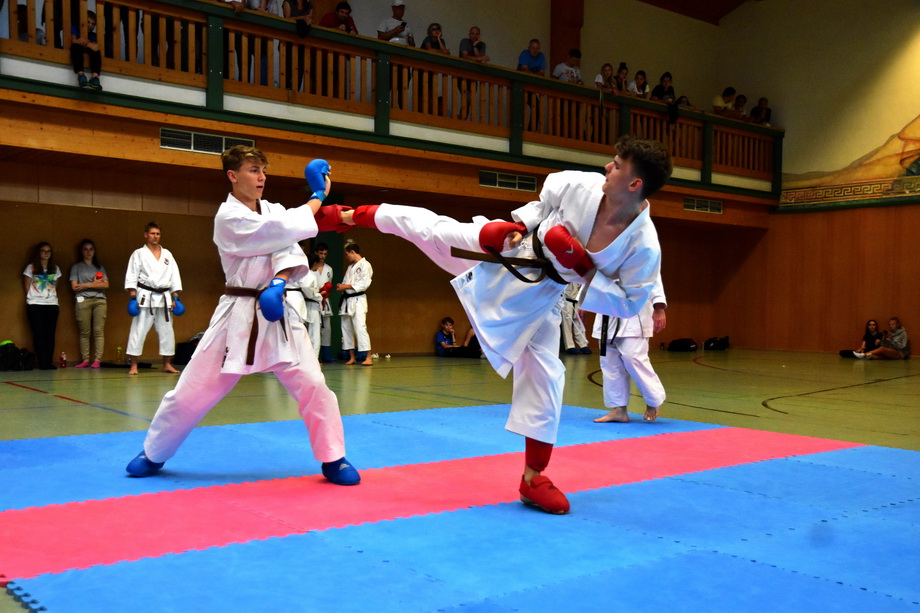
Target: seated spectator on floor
{"points": [[89, 46], [446, 343], [762, 113], [664, 92], [638, 87], [570, 70], [532, 60], [872, 339], [724, 104], [604, 80], [895, 344], [340, 19]]}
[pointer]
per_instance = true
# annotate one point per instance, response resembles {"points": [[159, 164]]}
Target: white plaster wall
{"points": [[841, 75]]}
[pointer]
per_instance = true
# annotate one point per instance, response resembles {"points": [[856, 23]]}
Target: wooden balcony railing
{"points": [[206, 45]]}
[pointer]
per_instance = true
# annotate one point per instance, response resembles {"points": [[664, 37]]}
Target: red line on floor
{"points": [[55, 538], [26, 387]]}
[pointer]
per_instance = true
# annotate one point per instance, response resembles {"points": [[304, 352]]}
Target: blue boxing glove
{"points": [[315, 173], [272, 300], [178, 307], [133, 309]]}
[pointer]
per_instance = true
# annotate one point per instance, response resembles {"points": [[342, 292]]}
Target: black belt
{"points": [[155, 290], [545, 266], [355, 295], [248, 292], [605, 324]]}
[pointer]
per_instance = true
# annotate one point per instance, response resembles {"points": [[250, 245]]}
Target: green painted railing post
{"points": [[214, 92], [382, 100], [778, 165], [706, 170], [625, 120], [516, 144]]}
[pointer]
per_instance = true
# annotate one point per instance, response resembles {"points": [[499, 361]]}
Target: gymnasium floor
{"points": [[772, 482]]}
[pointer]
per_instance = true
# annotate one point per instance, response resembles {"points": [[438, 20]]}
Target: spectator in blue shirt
{"points": [[532, 60], [89, 46]]}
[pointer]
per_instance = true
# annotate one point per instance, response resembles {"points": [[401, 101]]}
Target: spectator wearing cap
{"points": [[394, 28]]}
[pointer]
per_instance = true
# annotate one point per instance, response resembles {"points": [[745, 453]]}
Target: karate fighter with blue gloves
{"points": [[253, 330]]}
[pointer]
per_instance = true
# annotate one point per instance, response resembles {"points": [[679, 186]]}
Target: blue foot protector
{"points": [[340, 472], [142, 467], [572, 351]]}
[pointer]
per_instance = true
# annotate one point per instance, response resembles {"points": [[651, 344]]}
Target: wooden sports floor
{"points": [[771, 481]]}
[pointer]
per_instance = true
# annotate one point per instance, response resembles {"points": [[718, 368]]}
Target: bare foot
{"points": [[132, 371], [367, 362], [651, 413], [618, 415], [170, 369], [351, 361]]}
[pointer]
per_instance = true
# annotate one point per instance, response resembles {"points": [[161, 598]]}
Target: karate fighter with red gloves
{"points": [[595, 230], [254, 329]]}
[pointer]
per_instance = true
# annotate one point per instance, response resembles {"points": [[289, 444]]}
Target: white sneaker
{"points": [[859, 356]]}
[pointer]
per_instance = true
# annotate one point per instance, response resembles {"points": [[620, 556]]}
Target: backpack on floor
{"points": [[10, 357], [682, 344], [716, 343], [26, 359]]}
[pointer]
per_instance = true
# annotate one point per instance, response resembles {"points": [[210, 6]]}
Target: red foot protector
{"points": [[81, 534]]}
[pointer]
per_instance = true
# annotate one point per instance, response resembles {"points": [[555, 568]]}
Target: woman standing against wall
{"points": [[40, 282], [89, 282]]}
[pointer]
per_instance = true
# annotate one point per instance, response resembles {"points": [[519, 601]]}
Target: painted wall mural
{"points": [[887, 175]]}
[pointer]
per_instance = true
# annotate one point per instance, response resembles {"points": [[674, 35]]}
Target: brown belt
{"points": [[248, 292]]}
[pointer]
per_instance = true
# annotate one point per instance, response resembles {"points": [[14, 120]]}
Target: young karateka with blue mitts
{"points": [[253, 330], [587, 228]]}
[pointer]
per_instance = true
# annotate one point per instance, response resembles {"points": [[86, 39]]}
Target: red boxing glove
{"points": [[325, 289], [493, 234], [329, 218], [568, 250], [364, 216]]}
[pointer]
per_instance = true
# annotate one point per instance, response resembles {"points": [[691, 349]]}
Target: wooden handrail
{"points": [[263, 58]]}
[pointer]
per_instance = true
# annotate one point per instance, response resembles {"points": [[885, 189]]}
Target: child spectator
{"points": [[446, 342], [89, 46]]}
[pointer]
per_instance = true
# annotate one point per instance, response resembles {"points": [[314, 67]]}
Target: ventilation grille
{"points": [[701, 205], [201, 143], [503, 180]]}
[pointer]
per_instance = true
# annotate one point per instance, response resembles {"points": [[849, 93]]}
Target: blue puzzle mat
{"points": [[826, 531]]}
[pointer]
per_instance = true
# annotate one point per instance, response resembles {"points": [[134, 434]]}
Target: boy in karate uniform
{"points": [[589, 228], [253, 330]]}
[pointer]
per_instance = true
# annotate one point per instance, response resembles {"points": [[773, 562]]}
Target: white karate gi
{"points": [[573, 328], [324, 276], [354, 310], [518, 323], [253, 248], [162, 274], [627, 355], [305, 299]]}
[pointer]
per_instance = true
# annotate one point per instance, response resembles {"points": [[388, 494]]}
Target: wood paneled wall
{"points": [[807, 282]]}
